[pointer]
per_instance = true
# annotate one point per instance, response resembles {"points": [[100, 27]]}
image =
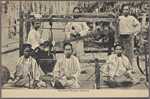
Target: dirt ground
{"points": [[9, 59]]}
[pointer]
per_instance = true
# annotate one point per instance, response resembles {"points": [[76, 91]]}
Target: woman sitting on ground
{"points": [[27, 67]]}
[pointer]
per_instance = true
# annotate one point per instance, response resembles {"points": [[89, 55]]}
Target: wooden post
{"points": [[29, 80], [50, 39], [54, 48], [27, 26], [110, 42], [21, 33], [97, 74], [117, 28]]}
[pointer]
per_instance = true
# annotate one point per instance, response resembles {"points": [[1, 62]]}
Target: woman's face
{"points": [[37, 25], [26, 52], [68, 51], [76, 11], [119, 50]]}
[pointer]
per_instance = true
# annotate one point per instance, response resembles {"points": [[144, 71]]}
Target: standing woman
{"points": [[74, 30]]}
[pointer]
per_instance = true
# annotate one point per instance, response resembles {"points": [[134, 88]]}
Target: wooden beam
{"points": [[79, 14], [87, 15], [91, 61], [55, 28], [81, 61], [87, 51], [90, 14], [86, 36], [74, 20], [47, 60]]}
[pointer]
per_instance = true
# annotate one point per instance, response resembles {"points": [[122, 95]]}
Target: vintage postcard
{"points": [[74, 49]]}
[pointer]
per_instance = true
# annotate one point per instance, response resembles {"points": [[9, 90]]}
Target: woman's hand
{"points": [[17, 78], [72, 35], [56, 78], [42, 48], [129, 71], [78, 35], [69, 77]]}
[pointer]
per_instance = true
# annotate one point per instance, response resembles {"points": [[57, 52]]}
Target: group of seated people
{"points": [[116, 72]]}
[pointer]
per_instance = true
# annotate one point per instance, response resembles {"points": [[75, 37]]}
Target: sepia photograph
{"points": [[56, 49]]}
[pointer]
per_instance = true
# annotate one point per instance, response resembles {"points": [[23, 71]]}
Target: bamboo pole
{"points": [[66, 7], [25, 5], [40, 7], [33, 6], [47, 7], [57, 7], [60, 7], [70, 11], [51, 7]]}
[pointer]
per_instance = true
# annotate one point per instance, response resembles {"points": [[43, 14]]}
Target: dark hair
{"points": [[26, 45], [76, 8], [33, 23], [124, 6], [65, 44], [118, 45]]}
